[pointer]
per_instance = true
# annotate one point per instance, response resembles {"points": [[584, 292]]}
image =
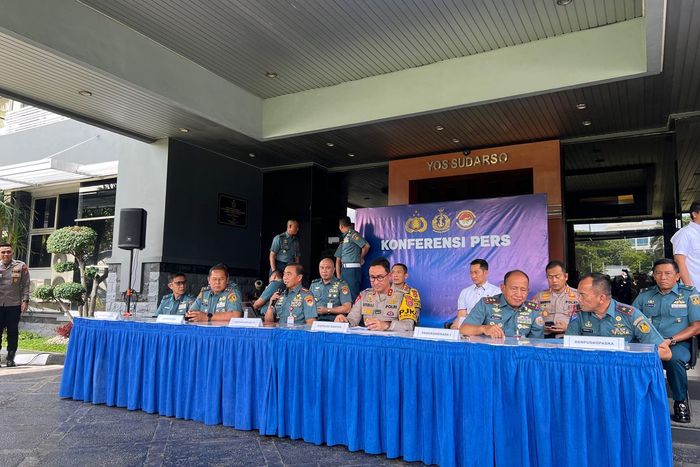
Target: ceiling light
{"points": [[455, 140], [351, 154], [251, 154], [271, 74], [586, 123], [563, 2], [329, 144], [439, 127], [85, 93], [184, 130], [581, 106]]}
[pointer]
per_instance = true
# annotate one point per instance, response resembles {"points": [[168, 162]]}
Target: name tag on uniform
{"points": [[170, 319], [107, 315], [594, 342], [679, 305], [245, 323], [436, 334], [330, 326]]}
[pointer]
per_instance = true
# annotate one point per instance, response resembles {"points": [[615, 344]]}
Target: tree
{"points": [[80, 243], [13, 224], [596, 255]]}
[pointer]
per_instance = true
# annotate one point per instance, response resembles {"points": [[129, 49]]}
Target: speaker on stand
{"points": [[132, 236]]}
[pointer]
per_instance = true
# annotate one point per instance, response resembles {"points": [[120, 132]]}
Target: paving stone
{"points": [[219, 452]]}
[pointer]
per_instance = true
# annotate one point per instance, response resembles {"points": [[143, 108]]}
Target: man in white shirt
{"points": [[479, 272], [686, 248]]}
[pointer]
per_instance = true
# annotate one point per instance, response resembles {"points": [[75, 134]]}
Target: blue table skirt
{"points": [[437, 402]]}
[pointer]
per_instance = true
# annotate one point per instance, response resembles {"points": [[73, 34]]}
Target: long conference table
{"points": [[446, 403]]}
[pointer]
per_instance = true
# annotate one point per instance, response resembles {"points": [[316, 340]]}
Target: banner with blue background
{"points": [[437, 241]]}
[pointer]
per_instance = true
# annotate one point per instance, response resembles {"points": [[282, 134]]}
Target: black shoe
{"points": [[11, 359], [681, 411]]}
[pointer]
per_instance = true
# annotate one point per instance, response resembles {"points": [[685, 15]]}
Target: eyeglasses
{"points": [[377, 278], [179, 282]]}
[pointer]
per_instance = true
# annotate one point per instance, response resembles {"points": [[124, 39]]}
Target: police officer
{"points": [[601, 315], [220, 301], [295, 305], [558, 302], [399, 274], [507, 314], [332, 294], [275, 284], [382, 307], [350, 255], [675, 311], [179, 301], [285, 247], [14, 298]]}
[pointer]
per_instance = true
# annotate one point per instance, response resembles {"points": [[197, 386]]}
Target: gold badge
{"points": [[618, 318], [644, 327], [416, 223], [695, 299], [465, 219], [441, 222]]}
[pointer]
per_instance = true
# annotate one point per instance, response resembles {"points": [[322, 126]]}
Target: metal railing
{"points": [[28, 118]]}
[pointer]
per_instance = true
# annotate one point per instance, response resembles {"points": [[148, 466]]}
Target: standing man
{"points": [[469, 297], [507, 314], [557, 303], [179, 301], [296, 303], [674, 311], [601, 315], [285, 247], [220, 301], [332, 294], [382, 307], [399, 274], [14, 298], [350, 255], [686, 248], [275, 284]]}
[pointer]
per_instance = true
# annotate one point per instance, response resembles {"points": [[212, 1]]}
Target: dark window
{"points": [[97, 199], [44, 213], [38, 256], [67, 210]]}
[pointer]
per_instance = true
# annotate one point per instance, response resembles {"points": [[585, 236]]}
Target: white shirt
{"points": [[686, 242], [471, 295]]}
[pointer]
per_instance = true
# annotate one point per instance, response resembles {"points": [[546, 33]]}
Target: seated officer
{"points": [[273, 286], [507, 314], [601, 315], [675, 311], [332, 294], [178, 302], [294, 301], [383, 308], [399, 274], [220, 301]]}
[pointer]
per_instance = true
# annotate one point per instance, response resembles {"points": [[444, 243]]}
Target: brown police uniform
{"points": [[14, 289], [393, 306]]}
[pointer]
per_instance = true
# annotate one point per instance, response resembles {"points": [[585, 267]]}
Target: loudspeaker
{"points": [[132, 229]]}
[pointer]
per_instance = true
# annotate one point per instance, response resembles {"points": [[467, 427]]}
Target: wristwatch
{"points": [[673, 341], [209, 315]]}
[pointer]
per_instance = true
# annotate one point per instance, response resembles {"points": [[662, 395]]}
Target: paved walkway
{"points": [[39, 429]]}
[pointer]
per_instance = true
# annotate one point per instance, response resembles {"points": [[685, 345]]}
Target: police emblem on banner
{"points": [[465, 219], [416, 223], [441, 222]]}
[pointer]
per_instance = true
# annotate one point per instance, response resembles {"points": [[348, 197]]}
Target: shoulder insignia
{"points": [[232, 297], [315, 281], [532, 306], [624, 309], [490, 300], [304, 290], [695, 299], [644, 327], [545, 295], [358, 299], [390, 292], [646, 289], [345, 289], [688, 288], [356, 237], [309, 299], [572, 295]]}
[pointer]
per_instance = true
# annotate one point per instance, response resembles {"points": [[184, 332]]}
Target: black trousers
{"points": [[9, 319]]}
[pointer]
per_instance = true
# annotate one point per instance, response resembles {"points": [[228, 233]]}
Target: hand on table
{"points": [[494, 331]]}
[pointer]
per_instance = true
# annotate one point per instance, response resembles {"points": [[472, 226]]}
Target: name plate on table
{"points": [[330, 326], [106, 315], [594, 342], [170, 319], [245, 323], [436, 334]]}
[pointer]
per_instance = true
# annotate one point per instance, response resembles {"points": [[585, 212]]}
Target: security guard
{"points": [[382, 307], [332, 294], [220, 301], [296, 305], [507, 314], [675, 311], [350, 255], [285, 247], [179, 301], [558, 302], [14, 298], [601, 315], [399, 274], [275, 284]]}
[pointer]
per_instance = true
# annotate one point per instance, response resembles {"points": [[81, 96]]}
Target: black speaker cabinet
{"points": [[132, 229]]}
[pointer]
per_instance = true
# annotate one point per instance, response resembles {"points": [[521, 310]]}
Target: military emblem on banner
{"points": [[465, 219], [441, 222], [416, 223]]}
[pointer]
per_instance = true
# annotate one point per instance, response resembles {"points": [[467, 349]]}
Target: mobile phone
{"points": [[549, 323]]}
